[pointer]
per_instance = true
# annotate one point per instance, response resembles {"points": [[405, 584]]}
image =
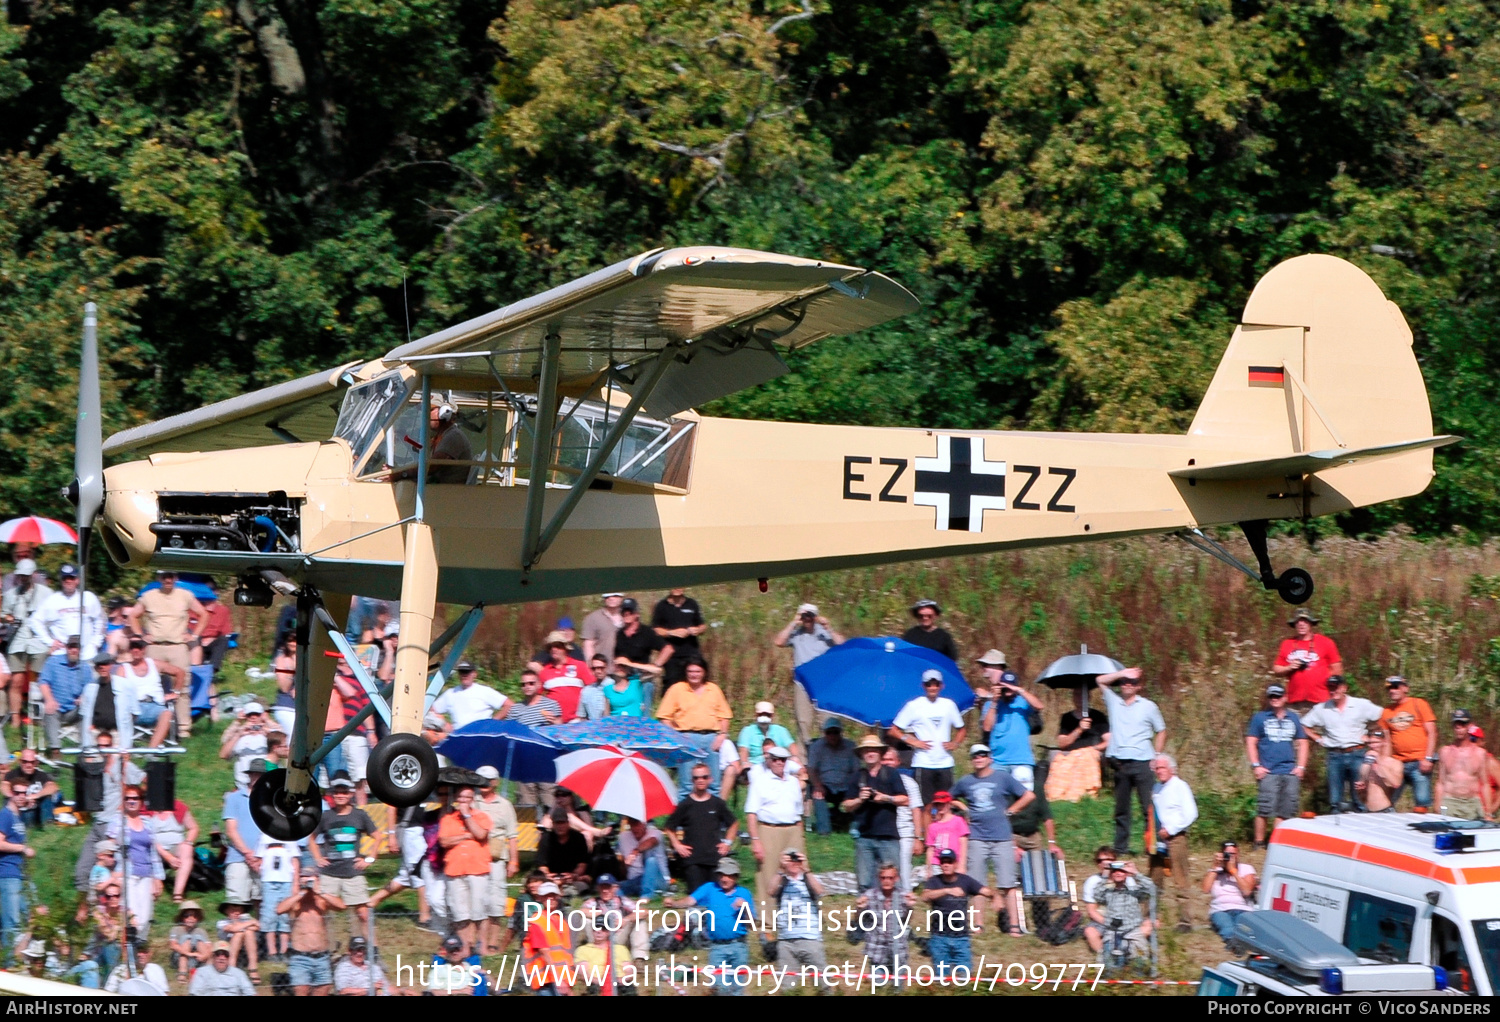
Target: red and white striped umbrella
{"points": [[37, 531], [615, 780]]}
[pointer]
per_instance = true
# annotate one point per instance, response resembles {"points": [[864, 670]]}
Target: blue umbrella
{"points": [[518, 752], [869, 680], [653, 738]]}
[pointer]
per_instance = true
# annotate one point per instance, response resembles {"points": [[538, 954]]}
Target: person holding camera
{"points": [[245, 740], [799, 931], [308, 969], [874, 807], [1118, 907], [808, 635], [1229, 885], [1009, 713]]}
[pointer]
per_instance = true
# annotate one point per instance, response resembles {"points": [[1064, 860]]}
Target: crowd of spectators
{"points": [[942, 805]]}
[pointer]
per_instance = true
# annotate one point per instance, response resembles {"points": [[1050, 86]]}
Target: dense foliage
{"points": [[1081, 191]]}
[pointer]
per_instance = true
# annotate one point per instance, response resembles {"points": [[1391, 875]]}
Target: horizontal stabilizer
{"points": [[1308, 463]]}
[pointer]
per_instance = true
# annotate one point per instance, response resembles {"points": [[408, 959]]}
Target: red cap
{"points": [[1476, 732], [941, 796]]}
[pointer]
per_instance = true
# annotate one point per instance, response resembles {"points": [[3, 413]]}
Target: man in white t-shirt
{"points": [[58, 617], [932, 725], [469, 701], [245, 740], [643, 849]]}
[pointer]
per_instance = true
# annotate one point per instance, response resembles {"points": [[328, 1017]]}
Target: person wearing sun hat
{"points": [[188, 940], [563, 676], [1306, 660], [874, 807], [927, 633]]}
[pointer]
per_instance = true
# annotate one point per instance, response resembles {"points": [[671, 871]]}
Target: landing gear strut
{"points": [[1293, 585]]}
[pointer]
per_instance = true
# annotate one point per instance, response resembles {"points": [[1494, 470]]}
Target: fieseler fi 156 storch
{"points": [[548, 449]]}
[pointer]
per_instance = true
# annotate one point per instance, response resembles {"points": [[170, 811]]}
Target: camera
{"points": [[1116, 864]]}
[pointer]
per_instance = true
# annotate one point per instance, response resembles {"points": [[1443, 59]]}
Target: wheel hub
{"points": [[405, 771]]}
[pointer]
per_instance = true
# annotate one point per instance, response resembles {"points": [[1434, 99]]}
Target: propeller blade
{"points": [[88, 452]]}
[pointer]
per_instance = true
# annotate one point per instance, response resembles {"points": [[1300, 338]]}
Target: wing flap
{"points": [[1307, 463]]}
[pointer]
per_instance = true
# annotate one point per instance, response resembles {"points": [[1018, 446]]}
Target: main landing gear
{"points": [[403, 769], [1293, 585]]}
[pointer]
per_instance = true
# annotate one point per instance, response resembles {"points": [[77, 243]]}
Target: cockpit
{"points": [[382, 422]]}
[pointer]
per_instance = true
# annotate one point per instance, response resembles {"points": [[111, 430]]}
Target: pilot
{"points": [[448, 444]]}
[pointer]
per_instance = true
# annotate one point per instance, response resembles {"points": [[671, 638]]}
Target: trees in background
{"points": [[1081, 192]]}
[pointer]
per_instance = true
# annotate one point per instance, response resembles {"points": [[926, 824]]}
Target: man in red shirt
{"points": [[563, 677], [1307, 660]]}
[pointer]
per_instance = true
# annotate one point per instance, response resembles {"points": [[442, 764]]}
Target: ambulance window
{"points": [[1378, 928], [1448, 953], [1211, 984], [1487, 936]]}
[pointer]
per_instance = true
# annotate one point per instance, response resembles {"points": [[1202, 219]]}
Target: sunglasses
{"points": [[932, 684], [980, 755]]}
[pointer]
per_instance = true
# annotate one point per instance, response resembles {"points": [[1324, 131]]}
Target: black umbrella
{"points": [[1078, 670], [455, 775]]}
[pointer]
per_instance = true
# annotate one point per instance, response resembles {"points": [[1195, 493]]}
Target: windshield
{"points": [[366, 409]]}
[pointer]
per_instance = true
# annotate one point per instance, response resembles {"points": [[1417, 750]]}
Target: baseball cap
{"points": [[606, 880], [452, 942], [778, 752], [926, 605], [104, 658], [548, 888], [26, 566], [765, 707], [1395, 681], [979, 749], [610, 596], [1275, 691], [68, 571], [488, 772], [250, 708], [630, 605], [258, 766], [464, 667], [932, 675], [221, 947], [358, 944], [564, 622], [728, 865], [942, 796], [1462, 717], [991, 658], [832, 724], [1302, 614], [947, 855], [340, 780], [1476, 732], [807, 608], [107, 845]]}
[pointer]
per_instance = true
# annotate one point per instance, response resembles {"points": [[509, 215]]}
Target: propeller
{"points": [[86, 492]]}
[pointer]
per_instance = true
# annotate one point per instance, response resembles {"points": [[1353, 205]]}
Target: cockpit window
{"points": [[366, 410]]}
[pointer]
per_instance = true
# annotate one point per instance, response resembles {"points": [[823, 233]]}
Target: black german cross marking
{"points": [[950, 484]]}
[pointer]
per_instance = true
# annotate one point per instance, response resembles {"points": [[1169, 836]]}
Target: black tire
{"points": [[1295, 586], [402, 770], [278, 813]]}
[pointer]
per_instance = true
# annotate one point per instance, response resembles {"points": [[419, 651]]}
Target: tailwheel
{"points": [[403, 770], [281, 814], [1294, 585]]}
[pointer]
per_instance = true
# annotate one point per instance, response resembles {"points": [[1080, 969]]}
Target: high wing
{"points": [[736, 308]]}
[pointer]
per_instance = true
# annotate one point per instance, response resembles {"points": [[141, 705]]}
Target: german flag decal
{"points": [[1267, 376]]}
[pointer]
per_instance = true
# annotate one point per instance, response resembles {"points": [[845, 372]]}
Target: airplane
{"points": [[415, 475]]}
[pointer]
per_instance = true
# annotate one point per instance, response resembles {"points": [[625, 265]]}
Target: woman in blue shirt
{"points": [[625, 694]]}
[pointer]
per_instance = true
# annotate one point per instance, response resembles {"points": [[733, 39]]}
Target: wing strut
{"points": [[541, 450]]}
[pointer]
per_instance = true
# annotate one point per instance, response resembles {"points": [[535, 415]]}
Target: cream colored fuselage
{"points": [[765, 499]]}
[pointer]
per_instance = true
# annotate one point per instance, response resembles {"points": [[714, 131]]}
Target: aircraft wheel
{"points": [[1295, 586], [403, 770], [282, 815]]}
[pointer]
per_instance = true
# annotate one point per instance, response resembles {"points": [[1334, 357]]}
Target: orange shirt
{"points": [[1405, 723], [549, 947], [470, 857], [686, 710]]}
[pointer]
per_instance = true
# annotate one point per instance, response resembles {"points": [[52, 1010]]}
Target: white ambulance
{"points": [[1395, 888]]}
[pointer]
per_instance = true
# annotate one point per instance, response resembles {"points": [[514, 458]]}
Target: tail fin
{"points": [[1323, 362]]}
